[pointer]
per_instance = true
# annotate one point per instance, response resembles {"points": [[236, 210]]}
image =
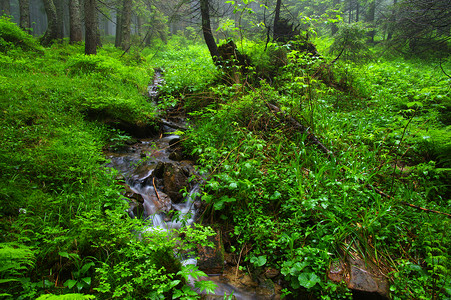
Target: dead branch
{"points": [[310, 136], [369, 186], [155, 188]]}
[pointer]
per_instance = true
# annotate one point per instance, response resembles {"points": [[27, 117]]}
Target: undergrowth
{"points": [[283, 203], [291, 207], [65, 233]]}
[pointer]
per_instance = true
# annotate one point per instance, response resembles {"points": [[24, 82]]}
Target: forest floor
{"points": [[289, 211]]}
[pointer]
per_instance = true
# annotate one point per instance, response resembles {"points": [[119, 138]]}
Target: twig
{"points": [[369, 186], [239, 259], [441, 67], [425, 209], [155, 189], [399, 145]]}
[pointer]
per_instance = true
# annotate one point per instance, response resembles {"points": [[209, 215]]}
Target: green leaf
{"points": [[80, 285], [86, 267], [8, 280], [70, 283], [87, 280], [233, 185], [308, 280], [414, 103], [206, 285], [259, 261]]}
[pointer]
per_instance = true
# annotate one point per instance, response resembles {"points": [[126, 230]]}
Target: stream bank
{"points": [[162, 187]]}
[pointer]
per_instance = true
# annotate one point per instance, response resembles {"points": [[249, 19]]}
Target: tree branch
{"points": [[441, 67]]}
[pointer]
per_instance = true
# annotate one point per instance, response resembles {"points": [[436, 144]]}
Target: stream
{"points": [[155, 170]]}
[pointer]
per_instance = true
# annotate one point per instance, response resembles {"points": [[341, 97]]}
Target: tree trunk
{"points": [[276, 28], [140, 23], [5, 7], [75, 31], [24, 8], [125, 25], [357, 11], [90, 27], [370, 19], [392, 21], [51, 32], [206, 30], [59, 18], [118, 39], [351, 8]]}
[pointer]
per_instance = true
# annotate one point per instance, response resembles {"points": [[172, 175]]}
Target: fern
{"points": [[14, 259]]}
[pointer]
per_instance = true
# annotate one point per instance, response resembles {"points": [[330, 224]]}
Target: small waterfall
{"points": [[146, 189]]}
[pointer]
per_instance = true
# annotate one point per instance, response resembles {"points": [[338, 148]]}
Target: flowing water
{"points": [[152, 166]]}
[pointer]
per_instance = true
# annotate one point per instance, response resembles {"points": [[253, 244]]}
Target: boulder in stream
{"points": [[175, 179], [211, 260]]}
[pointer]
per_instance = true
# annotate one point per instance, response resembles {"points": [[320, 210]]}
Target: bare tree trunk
{"points": [[125, 25], [51, 32], [276, 28], [59, 18], [24, 8], [90, 27], [5, 7], [206, 30], [75, 31], [357, 11], [118, 40]]}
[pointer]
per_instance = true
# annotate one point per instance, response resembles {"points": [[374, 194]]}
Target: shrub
{"points": [[11, 37]]}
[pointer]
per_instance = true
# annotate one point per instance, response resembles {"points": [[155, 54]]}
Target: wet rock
{"points": [[366, 278], [175, 178], [131, 141], [136, 209], [337, 271], [266, 288], [142, 172], [159, 170], [271, 273], [161, 201], [211, 260], [174, 141], [360, 276], [176, 156], [130, 194]]}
